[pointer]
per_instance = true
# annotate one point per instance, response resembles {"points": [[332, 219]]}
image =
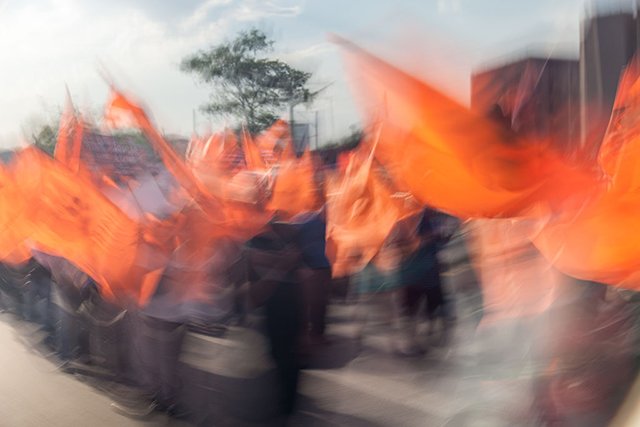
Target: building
{"points": [[608, 44], [117, 156], [570, 100], [537, 96]]}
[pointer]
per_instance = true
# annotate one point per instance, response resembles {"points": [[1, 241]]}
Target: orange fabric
{"points": [[121, 111], [278, 131], [66, 131], [585, 215], [226, 207], [516, 280], [599, 241], [361, 211], [65, 215], [252, 155], [455, 160], [294, 190], [13, 250]]}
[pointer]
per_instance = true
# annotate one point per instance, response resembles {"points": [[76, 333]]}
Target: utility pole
{"points": [[317, 131], [291, 105]]}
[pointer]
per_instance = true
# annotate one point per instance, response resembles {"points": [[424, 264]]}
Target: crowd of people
{"points": [[272, 235], [288, 272], [282, 272]]}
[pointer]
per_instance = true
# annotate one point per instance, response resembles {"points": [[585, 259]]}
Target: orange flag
{"points": [[361, 211], [455, 160], [598, 242], [278, 132], [295, 190], [219, 212], [68, 126], [12, 247], [123, 112], [66, 216], [252, 155]]}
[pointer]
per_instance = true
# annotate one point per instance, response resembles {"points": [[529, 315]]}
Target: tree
{"points": [[42, 129], [247, 85], [46, 139]]}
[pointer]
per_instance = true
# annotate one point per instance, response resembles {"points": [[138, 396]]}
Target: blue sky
{"points": [[45, 44]]}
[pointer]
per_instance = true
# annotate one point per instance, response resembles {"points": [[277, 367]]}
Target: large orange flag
{"points": [[65, 215], [455, 160], [583, 216], [599, 241]]}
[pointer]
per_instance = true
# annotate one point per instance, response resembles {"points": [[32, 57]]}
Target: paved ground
{"points": [[346, 386], [465, 379], [369, 388], [34, 393]]}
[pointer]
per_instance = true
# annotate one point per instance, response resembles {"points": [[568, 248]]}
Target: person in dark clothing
{"points": [[316, 272], [420, 273], [273, 264]]}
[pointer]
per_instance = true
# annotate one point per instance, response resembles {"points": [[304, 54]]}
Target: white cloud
{"points": [[45, 46], [253, 10], [201, 12], [445, 6]]}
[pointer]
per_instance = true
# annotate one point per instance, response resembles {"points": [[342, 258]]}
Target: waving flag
{"points": [[455, 160]]}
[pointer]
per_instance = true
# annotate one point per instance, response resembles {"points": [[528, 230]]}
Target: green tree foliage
{"points": [[46, 139], [246, 84], [41, 129]]}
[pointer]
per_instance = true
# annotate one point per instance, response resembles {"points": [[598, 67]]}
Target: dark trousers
{"points": [[156, 350], [316, 296], [283, 325], [416, 292]]}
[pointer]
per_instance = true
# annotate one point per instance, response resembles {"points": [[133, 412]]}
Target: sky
{"points": [[49, 45]]}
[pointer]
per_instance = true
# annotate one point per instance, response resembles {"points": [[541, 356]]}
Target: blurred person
{"points": [[421, 275], [273, 271], [592, 358], [424, 234], [379, 284], [316, 273]]}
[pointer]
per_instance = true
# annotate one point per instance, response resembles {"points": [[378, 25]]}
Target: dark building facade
{"points": [[537, 96], [570, 99], [608, 44]]}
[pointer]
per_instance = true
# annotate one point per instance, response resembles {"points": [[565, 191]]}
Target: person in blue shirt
{"points": [[420, 274], [316, 272]]}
